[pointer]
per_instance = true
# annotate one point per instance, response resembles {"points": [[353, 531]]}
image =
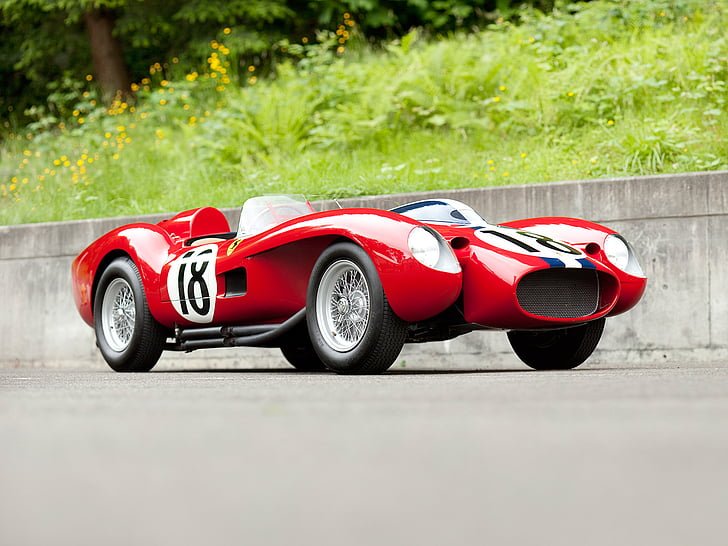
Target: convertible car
{"points": [[344, 290]]}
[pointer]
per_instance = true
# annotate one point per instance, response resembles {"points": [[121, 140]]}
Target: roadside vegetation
{"points": [[587, 90]]}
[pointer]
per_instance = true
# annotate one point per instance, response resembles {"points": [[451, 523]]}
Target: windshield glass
{"points": [[261, 213], [442, 211]]}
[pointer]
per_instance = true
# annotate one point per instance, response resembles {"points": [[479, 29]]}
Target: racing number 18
{"points": [[187, 294]]}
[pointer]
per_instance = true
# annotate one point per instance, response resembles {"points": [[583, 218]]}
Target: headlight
{"points": [[430, 249], [620, 253], [617, 252], [424, 246]]}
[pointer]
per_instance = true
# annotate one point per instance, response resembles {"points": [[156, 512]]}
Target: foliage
{"points": [[587, 90], [44, 41]]}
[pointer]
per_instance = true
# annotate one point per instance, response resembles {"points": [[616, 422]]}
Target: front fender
{"points": [[415, 292]]}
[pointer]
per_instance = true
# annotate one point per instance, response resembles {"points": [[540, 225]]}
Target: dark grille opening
{"points": [[559, 293]]}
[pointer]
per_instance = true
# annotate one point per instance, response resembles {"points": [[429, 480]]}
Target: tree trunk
{"points": [[108, 61]]}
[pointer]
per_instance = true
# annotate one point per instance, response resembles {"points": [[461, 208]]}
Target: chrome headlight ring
{"points": [[431, 250], [621, 254]]}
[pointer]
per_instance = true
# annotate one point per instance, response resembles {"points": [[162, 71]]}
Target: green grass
{"points": [[594, 90]]}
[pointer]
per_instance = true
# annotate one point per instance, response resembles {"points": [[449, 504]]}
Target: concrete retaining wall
{"points": [[677, 223]]}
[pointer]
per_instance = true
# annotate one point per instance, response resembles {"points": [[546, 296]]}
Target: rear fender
{"points": [[148, 247]]}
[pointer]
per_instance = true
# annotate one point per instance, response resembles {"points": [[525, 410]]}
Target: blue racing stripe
{"points": [[418, 205], [553, 262], [586, 264]]}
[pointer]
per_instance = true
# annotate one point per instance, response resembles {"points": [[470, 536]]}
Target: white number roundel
{"points": [[192, 284], [533, 244]]}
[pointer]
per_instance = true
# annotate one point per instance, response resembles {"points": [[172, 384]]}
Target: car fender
{"points": [[148, 247], [384, 237]]}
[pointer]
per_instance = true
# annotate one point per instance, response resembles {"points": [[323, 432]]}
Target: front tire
{"points": [[561, 349], [351, 325], [129, 338]]}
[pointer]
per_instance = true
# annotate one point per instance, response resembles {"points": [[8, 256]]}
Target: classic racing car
{"points": [[345, 289]]}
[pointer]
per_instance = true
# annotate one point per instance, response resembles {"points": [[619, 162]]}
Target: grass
{"points": [[591, 90]]}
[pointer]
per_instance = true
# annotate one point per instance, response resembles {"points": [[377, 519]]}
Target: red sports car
{"points": [[344, 290]]}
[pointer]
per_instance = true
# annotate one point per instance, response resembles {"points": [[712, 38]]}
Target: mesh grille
{"points": [[559, 293]]}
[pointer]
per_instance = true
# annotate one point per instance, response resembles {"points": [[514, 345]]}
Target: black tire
{"points": [[384, 334], [300, 354], [557, 349], [147, 339]]}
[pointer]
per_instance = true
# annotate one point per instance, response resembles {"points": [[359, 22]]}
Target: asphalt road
{"points": [[616, 456]]}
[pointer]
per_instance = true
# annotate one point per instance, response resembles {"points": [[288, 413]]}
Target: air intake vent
{"points": [[559, 293]]}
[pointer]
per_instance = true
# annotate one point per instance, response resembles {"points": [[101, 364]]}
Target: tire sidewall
{"points": [[123, 269], [335, 360], [564, 353]]}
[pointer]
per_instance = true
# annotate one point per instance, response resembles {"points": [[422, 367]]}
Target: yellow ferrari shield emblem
{"points": [[233, 246]]}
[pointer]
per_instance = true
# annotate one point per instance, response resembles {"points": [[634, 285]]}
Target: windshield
{"points": [[261, 213], [441, 211]]}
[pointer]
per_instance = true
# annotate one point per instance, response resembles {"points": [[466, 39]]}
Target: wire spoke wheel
{"points": [[118, 315], [351, 326], [128, 336], [343, 305]]}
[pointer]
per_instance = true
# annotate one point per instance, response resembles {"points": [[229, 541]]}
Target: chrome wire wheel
{"points": [[118, 314], [343, 305]]}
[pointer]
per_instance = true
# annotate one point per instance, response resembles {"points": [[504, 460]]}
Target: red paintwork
{"points": [[580, 233], [279, 261], [195, 223]]}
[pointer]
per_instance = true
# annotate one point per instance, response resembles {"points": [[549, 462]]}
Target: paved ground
{"points": [[613, 456]]}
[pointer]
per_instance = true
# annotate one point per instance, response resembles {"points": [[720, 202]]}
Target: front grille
{"points": [[559, 293]]}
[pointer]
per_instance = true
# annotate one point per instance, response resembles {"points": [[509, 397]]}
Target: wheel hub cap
{"points": [[342, 305], [118, 314]]}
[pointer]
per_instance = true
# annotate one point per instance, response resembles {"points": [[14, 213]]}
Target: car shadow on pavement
{"points": [[282, 371]]}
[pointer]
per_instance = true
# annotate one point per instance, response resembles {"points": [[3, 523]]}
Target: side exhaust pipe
{"points": [[259, 335]]}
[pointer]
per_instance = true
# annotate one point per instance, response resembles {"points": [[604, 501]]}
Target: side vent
{"points": [[236, 282]]}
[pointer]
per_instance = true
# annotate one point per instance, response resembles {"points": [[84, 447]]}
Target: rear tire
{"points": [[300, 354], [351, 325], [129, 338], [557, 349]]}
